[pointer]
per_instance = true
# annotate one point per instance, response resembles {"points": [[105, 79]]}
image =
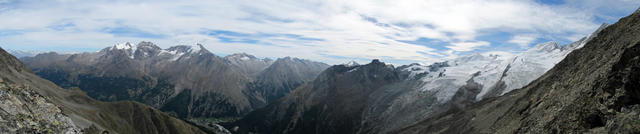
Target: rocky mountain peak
{"points": [[185, 48], [376, 62], [147, 45], [241, 56], [290, 60]]}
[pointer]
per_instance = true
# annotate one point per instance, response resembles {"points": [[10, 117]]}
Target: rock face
{"points": [[185, 81], [414, 93], [593, 90], [33, 105], [26, 111]]}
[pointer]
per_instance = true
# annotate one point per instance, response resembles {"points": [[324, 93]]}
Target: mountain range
{"points": [[185, 81], [381, 98]]}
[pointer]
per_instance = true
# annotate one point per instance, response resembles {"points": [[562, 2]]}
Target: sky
{"points": [[330, 31]]}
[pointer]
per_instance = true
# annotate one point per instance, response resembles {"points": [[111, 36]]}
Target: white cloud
{"points": [[523, 40], [503, 55], [467, 46], [347, 28]]}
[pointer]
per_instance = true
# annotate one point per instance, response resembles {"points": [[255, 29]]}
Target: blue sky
{"points": [[332, 31]]}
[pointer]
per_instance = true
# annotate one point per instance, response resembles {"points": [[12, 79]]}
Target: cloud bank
{"points": [[333, 31]]}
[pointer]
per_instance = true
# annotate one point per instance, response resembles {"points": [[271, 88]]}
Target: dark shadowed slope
{"points": [[283, 76], [596, 89], [332, 103]]}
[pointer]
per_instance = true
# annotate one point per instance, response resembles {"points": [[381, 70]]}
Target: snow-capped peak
{"points": [[351, 64], [126, 45], [197, 48], [178, 51], [244, 58]]}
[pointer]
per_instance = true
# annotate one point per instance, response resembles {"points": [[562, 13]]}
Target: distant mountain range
{"points": [[24, 53], [381, 98], [185, 81]]}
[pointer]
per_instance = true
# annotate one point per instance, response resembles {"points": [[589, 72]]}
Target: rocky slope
{"points": [[186, 81], [26, 111], [593, 90], [31, 104], [412, 94]]}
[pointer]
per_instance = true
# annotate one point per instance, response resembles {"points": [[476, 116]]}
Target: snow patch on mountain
{"points": [[244, 58], [445, 81], [416, 69], [174, 54], [127, 47], [179, 51], [351, 64]]}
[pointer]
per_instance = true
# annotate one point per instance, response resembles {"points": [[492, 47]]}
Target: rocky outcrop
{"points": [[25, 111], [593, 90]]}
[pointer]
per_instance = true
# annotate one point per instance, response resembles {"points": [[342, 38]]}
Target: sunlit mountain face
{"points": [[319, 66]]}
